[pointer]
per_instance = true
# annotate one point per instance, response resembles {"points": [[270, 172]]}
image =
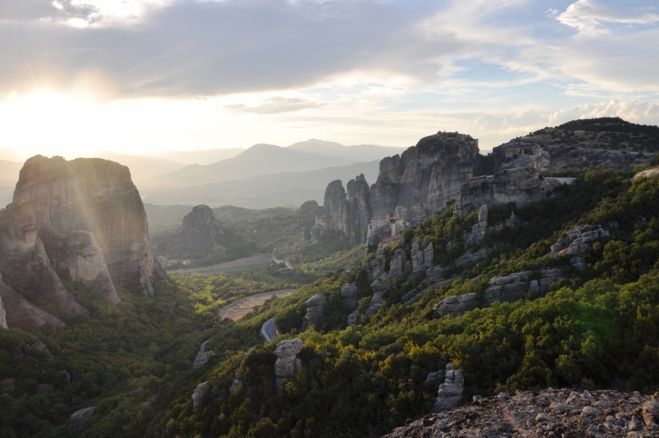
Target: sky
{"points": [[144, 76]]}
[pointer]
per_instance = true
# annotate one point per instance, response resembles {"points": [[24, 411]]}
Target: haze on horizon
{"points": [[78, 77]]}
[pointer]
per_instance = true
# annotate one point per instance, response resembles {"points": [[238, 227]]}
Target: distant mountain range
{"points": [[267, 159], [288, 189], [262, 176]]}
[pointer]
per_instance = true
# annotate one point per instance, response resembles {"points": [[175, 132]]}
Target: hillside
{"points": [[550, 282]]}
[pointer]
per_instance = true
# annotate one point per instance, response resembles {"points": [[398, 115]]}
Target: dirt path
{"points": [[242, 307]]}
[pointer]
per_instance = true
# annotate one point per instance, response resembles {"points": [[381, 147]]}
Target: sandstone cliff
{"points": [[83, 219]]}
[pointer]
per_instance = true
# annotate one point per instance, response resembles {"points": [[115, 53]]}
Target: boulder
{"points": [[449, 393], [78, 419]]}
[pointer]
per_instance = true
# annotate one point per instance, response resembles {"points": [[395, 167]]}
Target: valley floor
{"points": [[242, 307]]}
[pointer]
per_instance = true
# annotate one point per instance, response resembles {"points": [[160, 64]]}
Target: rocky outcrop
{"points": [[315, 311], [287, 363], [78, 419], [422, 259], [450, 392], [80, 255], [447, 167], [549, 413], [200, 395], [24, 315], [203, 355], [201, 239], [507, 288], [607, 142], [349, 295], [456, 305], [519, 186], [83, 218], [97, 196], [479, 229], [579, 239]]}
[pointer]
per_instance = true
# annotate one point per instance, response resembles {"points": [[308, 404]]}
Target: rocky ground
{"points": [[550, 413]]}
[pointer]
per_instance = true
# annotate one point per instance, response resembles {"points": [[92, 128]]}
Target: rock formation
{"points": [[78, 419], [449, 393], [203, 355], [549, 413], [287, 363], [199, 395], [83, 218], [507, 288], [579, 240], [200, 239], [315, 311], [447, 167]]}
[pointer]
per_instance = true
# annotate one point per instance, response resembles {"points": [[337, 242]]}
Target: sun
{"points": [[46, 121]]}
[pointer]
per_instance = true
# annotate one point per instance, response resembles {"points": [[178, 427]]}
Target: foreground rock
{"points": [[84, 218], [450, 392], [550, 413]]}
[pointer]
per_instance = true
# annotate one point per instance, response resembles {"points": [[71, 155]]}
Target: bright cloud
{"points": [[592, 16]]}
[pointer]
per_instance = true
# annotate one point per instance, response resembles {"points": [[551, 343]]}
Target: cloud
{"points": [[276, 105], [592, 17], [193, 47], [632, 110], [80, 13]]}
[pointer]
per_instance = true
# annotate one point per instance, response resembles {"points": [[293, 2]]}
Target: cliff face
{"points": [[83, 218], [447, 167], [420, 181], [426, 176]]}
